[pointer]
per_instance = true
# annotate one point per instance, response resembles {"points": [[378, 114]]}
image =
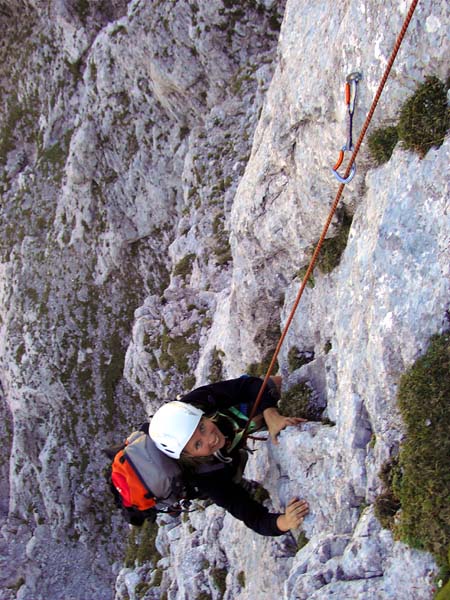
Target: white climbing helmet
{"points": [[173, 425]]}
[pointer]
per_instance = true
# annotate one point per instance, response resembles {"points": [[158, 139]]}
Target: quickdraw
{"points": [[351, 85]]}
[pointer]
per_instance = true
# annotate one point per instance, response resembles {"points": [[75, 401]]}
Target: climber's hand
{"points": [[296, 511], [276, 422]]}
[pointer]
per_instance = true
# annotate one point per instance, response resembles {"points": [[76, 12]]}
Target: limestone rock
{"points": [[164, 176]]}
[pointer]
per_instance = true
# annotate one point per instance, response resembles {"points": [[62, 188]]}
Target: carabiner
{"points": [[339, 163], [351, 84]]}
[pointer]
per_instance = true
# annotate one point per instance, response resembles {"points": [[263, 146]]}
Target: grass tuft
{"points": [[298, 401], [424, 489], [382, 143], [418, 481], [184, 266], [298, 358], [333, 248], [425, 117]]}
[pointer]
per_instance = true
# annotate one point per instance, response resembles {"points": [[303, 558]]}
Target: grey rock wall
{"points": [[164, 174]]}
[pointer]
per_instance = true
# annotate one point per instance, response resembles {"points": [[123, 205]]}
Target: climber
{"points": [[198, 431]]}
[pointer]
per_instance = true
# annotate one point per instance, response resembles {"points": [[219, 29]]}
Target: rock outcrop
{"points": [[164, 176]]}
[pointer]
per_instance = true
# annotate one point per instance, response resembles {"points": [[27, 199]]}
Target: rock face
{"points": [[164, 175]]}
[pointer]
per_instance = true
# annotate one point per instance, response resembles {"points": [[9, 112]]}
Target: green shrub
{"points": [[444, 593], [216, 369], [204, 596], [424, 488], [219, 576], [141, 546], [141, 589], [189, 382], [302, 540], [386, 506], [259, 493], [176, 351], [241, 579], [260, 369], [298, 358], [417, 481], [382, 143], [333, 248], [298, 401], [301, 275], [425, 117], [184, 266], [157, 577]]}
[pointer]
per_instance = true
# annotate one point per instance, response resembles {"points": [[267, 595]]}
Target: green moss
{"points": [[204, 596], [298, 358], [260, 494], [301, 275], [222, 252], [20, 352], [219, 576], [260, 369], [76, 69], [176, 351], [15, 113], [425, 117], [20, 582], [386, 506], [141, 547], [333, 248], [424, 488], [268, 340], [241, 579], [189, 382], [157, 577], [53, 159], [298, 401], [81, 7], [382, 143], [184, 266], [302, 540], [120, 30], [216, 368], [141, 589], [444, 593]]}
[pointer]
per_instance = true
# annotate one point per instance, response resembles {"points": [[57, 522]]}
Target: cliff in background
{"points": [[164, 174]]}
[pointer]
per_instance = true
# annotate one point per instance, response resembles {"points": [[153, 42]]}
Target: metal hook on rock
{"points": [[351, 84]]}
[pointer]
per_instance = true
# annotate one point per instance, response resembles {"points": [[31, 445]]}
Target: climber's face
{"points": [[206, 439]]}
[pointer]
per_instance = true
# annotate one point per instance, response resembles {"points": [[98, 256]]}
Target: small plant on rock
{"points": [[216, 368], [423, 399], [425, 117], [382, 143], [241, 578], [298, 358], [333, 248], [184, 266], [299, 401], [219, 576]]}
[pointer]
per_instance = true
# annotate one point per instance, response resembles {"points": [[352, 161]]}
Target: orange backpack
{"points": [[144, 478]]}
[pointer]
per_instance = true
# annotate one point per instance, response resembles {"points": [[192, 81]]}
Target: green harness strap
{"points": [[238, 430]]}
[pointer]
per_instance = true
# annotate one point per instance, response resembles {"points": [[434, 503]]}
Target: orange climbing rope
{"points": [[332, 210]]}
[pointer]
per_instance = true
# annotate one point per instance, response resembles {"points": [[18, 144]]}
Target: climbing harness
{"points": [[351, 86], [333, 208]]}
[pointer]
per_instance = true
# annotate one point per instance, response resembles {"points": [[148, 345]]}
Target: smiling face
{"points": [[206, 439]]}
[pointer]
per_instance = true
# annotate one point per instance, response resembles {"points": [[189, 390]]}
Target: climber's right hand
{"points": [[296, 511]]}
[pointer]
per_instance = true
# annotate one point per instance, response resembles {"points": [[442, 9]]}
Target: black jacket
{"points": [[218, 484]]}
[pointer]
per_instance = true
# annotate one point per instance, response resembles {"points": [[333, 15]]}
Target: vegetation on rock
{"points": [[418, 481]]}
